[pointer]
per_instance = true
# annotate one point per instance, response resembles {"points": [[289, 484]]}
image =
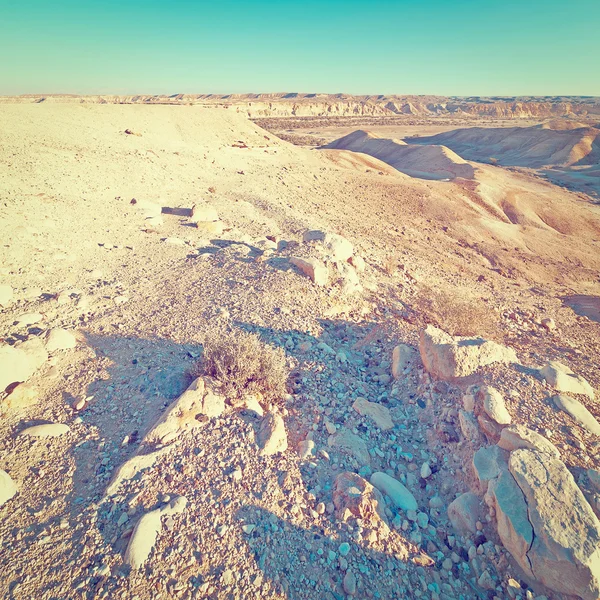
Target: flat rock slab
{"points": [[578, 412], [22, 396], [379, 413], [397, 492], [19, 363], [46, 430], [516, 437], [561, 378], [565, 552], [488, 463], [351, 444], [450, 358], [464, 512], [146, 532]]}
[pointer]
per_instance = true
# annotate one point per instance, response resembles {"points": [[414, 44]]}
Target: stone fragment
{"points": [[403, 357], [147, 530], [201, 399], [312, 268], [397, 492], [355, 497], [519, 436], [203, 213], [306, 449], [349, 583], [493, 404], [60, 339], [46, 430], [351, 444], [561, 378], [337, 246], [358, 262], [449, 358], [578, 412], [488, 462], [272, 436], [8, 488], [469, 428], [490, 428], [379, 413], [464, 512], [29, 319]]}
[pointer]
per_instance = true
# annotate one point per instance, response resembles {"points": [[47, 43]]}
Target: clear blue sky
{"points": [[460, 47]]}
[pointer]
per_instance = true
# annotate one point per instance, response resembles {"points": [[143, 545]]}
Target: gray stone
{"points": [[397, 492], [578, 412], [351, 444], [403, 357], [489, 462], [464, 512], [379, 413]]}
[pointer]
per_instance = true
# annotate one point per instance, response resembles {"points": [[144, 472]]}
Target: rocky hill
{"points": [[232, 367]]}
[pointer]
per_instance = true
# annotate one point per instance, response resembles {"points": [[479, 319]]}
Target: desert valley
{"points": [[299, 346]]}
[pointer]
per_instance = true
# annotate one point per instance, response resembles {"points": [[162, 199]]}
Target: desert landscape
{"points": [[299, 346]]}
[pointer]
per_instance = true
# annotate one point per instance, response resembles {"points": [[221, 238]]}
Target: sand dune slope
{"points": [[431, 162]]}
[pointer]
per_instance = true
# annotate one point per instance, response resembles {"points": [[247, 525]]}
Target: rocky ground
{"points": [[402, 462]]}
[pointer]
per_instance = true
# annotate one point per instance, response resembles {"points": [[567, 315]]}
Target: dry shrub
{"points": [[244, 364], [456, 312]]}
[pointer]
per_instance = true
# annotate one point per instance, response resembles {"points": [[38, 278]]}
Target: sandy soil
{"points": [[141, 296]]}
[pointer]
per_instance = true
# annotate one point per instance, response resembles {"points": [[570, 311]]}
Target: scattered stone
{"points": [[549, 324], [203, 213], [146, 532], [493, 404], [210, 228], [6, 295], [349, 583], [469, 428], [425, 470], [351, 444], [380, 414], [358, 262], [403, 357], [272, 436], [561, 378], [201, 399], [578, 411], [313, 268], [396, 491], [338, 247], [8, 488], [29, 319], [519, 436], [174, 241], [60, 339], [306, 449], [464, 512], [448, 357], [46, 430], [485, 581]]}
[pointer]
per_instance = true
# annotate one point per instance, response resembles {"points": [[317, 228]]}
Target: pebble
{"points": [[349, 583], [344, 549], [425, 470]]}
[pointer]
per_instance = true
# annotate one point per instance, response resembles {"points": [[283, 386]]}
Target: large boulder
{"points": [[519, 436], [403, 357], [547, 525], [464, 512], [201, 399], [561, 378], [312, 268], [449, 358]]}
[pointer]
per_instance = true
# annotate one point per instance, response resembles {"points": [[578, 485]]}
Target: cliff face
{"points": [[323, 105]]}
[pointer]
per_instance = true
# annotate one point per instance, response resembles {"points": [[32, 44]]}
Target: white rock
{"points": [[46, 430], [578, 412], [398, 493], [352, 444], [464, 513], [561, 378], [8, 488], [306, 449], [272, 436], [493, 404], [358, 262], [313, 268], [29, 319], [146, 532], [425, 470], [60, 339], [203, 213], [22, 396], [6, 295]]}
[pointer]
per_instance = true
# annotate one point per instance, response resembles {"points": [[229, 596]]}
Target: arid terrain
{"points": [[430, 323]]}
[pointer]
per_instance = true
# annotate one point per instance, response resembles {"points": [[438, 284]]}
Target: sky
{"points": [[445, 47]]}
